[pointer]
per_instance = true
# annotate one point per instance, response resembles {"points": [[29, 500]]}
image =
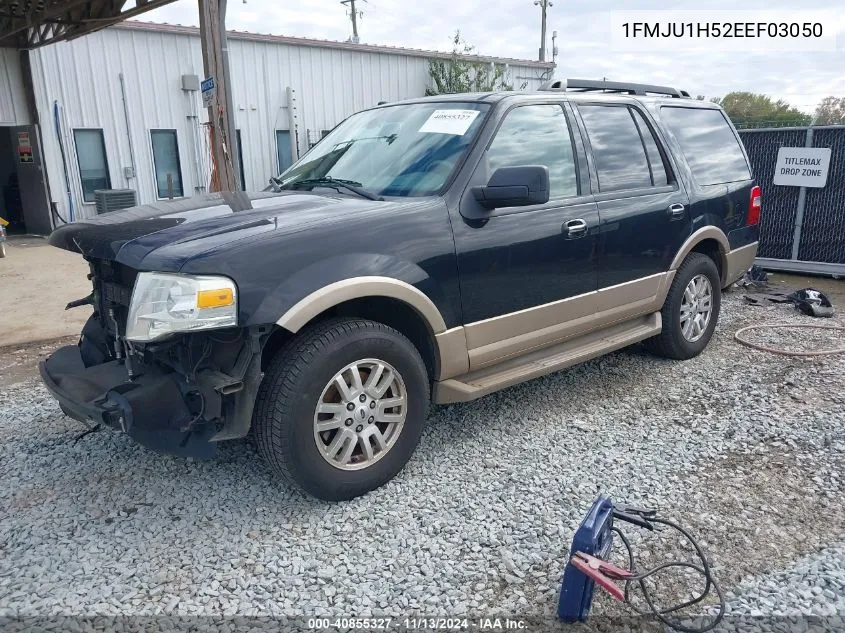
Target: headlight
{"points": [[164, 303]]}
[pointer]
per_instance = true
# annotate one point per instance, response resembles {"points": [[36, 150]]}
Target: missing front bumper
{"points": [[151, 408]]}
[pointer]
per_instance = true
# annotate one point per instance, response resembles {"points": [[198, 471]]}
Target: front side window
{"points": [[93, 166], [402, 150], [537, 135], [709, 144], [618, 149], [166, 162]]}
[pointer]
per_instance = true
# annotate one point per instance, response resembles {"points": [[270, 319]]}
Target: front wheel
{"points": [[690, 311], [342, 407]]}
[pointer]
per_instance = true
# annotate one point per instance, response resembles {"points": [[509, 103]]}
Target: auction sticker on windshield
{"points": [[455, 122]]}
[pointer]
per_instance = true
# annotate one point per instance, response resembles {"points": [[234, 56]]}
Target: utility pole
{"points": [[353, 14], [212, 14], [544, 5]]}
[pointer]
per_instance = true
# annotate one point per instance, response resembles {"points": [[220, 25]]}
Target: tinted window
{"points": [[617, 148], [709, 145], [93, 166], [537, 135], [655, 160], [166, 164]]}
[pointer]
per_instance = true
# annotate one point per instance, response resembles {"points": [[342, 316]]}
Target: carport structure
{"points": [[29, 24]]}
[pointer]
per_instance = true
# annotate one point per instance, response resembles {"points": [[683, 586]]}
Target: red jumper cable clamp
{"points": [[601, 572]]}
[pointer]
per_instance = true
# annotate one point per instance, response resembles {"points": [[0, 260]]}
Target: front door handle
{"points": [[576, 228], [676, 211]]}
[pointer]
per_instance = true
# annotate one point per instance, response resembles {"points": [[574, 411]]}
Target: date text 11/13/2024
{"points": [[415, 624]]}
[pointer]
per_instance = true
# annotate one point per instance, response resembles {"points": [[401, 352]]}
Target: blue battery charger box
{"points": [[594, 537]]}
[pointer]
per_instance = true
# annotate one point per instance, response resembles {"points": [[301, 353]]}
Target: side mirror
{"points": [[514, 187]]}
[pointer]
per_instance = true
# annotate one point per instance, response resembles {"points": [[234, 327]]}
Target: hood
{"points": [[199, 224]]}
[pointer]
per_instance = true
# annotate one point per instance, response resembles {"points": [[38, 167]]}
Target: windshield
{"points": [[402, 150]]}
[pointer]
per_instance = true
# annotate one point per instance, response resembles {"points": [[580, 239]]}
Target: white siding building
{"points": [[119, 108]]}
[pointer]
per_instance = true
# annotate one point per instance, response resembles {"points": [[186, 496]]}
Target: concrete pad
{"points": [[36, 282]]}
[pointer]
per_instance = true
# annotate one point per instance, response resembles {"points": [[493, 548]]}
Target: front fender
{"points": [[321, 285]]}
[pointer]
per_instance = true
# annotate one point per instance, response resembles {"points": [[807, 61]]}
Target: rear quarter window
{"points": [[709, 144]]}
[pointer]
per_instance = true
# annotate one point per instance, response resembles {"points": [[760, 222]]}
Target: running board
{"points": [[545, 361]]}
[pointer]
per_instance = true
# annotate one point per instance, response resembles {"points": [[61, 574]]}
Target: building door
{"points": [[31, 180], [23, 189]]}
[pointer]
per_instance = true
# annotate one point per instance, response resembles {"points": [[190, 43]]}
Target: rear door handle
{"points": [[676, 211], [576, 228]]}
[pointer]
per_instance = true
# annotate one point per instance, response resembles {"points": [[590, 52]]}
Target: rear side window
{"points": [[618, 150], [708, 143]]}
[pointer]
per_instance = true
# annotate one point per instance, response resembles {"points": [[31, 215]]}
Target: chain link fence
{"points": [[801, 235]]}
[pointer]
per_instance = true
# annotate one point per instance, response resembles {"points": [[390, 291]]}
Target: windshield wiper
{"points": [[328, 181]]}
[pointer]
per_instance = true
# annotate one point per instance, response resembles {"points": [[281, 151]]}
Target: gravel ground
{"points": [[745, 448]]}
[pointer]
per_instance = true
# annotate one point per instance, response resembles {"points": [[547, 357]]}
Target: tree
{"points": [[456, 74], [748, 110], [831, 111]]}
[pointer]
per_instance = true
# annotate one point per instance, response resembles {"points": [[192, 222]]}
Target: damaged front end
{"points": [[179, 394]]}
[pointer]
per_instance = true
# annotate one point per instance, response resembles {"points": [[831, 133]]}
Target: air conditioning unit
{"points": [[109, 200]]}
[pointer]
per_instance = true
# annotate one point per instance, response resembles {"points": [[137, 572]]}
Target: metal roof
{"points": [[138, 25], [33, 23]]}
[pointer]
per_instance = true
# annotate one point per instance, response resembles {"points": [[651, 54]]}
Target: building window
{"points": [[241, 161], [166, 163], [283, 149], [93, 165]]}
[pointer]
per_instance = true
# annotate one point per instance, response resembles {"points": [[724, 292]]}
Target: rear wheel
{"points": [[342, 407], [691, 310]]}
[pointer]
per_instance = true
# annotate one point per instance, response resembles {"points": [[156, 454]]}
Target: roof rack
{"points": [[590, 85]]}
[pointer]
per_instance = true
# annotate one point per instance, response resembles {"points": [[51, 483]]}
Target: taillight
{"points": [[754, 206]]}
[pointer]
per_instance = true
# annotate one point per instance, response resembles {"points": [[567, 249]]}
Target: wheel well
{"points": [[391, 312], [710, 247]]}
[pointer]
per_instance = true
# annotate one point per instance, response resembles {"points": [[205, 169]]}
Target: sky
{"points": [[511, 28]]}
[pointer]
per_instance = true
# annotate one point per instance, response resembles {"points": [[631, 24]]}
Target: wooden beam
{"points": [[212, 21]]}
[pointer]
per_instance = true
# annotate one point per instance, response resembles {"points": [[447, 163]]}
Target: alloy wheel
{"points": [[696, 308], [360, 414]]}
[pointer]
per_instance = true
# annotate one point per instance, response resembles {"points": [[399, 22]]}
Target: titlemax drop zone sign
{"points": [[802, 166]]}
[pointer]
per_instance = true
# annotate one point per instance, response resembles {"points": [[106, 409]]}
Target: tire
{"points": [[302, 375], [2, 250], [673, 342]]}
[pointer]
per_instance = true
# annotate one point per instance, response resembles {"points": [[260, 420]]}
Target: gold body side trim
{"points": [[739, 260], [356, 288], [452, 352], [514, 347], [494, 340], [546, 360]]}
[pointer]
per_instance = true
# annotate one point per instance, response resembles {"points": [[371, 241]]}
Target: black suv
{"points": [[435, 249]]}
